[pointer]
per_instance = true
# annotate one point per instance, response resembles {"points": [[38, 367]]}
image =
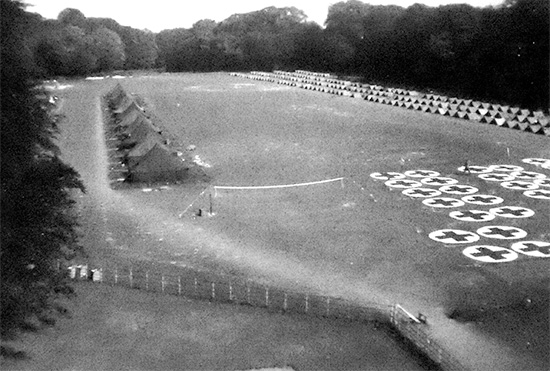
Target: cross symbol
{"points": [[482, 199], [529, 247], [520, 185], [496, 176], [425, 173], [515, 212], [495, 255], [525, 175], [421, 192], [457, 188], [506, 167], [469, 214], [389, 176], [502, 232], [402, 182], [540, 193], [436, 181], [453, 235], [438, 201]]}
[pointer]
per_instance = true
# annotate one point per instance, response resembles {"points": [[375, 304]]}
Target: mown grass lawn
{"points": [[364, 242]]}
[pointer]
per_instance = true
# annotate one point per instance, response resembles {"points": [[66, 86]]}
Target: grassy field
{"points": [[114, 328], [364, 242]]}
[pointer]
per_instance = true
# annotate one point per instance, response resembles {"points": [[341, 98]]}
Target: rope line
{"points": [[195, 200], [280, 185]]}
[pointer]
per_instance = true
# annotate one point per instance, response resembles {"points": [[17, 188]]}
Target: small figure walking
{"points": [[467, 168]]}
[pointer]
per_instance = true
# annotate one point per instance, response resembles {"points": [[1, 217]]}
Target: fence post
{"points": [[230, 292], [285, 302], [131, 279], [116, 275], [179, 285], [248, 294], [162, 282], [195, 287], [328, 307], [307, 302], [267, 297], [213, 291], [146, 280]]}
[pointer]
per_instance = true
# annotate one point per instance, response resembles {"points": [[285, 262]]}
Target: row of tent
{"points": [[142, 151], [489, 113]]}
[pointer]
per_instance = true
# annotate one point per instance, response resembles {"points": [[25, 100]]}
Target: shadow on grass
{"points": [[8, 352]]}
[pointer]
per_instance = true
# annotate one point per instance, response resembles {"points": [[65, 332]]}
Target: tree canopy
{"points": [[495, 53], [38, 227]]}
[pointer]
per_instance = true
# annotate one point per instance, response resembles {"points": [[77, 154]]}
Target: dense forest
{"points": [[498, 54], [38, 226]]}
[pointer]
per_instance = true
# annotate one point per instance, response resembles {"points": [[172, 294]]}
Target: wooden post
{"points": [[211, 208], [230, 292], [162, 283], [248, 294], [131, 279], [267, 297], [179, 285], [195, 286], [307, 303], [147, 280], [116, 276], [285, 303], [213, 291], [328, 307]]}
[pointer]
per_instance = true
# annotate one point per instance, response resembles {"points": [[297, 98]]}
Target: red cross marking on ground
{"points": [[495, 255], [470, 214], [529, 247], [455, 236], [501, 232], [508, 210]]}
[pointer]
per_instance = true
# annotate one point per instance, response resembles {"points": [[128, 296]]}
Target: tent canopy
{"points": [[143, 147], [159, 164]]}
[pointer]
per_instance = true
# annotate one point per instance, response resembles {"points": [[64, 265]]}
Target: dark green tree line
{"points": [[74, 45], [496, 53], [38, 226]]}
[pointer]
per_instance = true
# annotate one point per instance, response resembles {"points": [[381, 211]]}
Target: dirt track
{"points": [[393, 262]]}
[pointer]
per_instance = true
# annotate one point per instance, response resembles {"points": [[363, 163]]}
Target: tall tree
{"points": [[73, 17], [140, 48], [174, 48], [108, 49], [37, 227], [66, 50]]}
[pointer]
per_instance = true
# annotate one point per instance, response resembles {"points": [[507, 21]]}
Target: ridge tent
{"points": [[115, 96], [120, 101], [158, 164], [138, 123], [130, 117], [140, 149], [120, 128], [126, 107], [138, 132]]}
